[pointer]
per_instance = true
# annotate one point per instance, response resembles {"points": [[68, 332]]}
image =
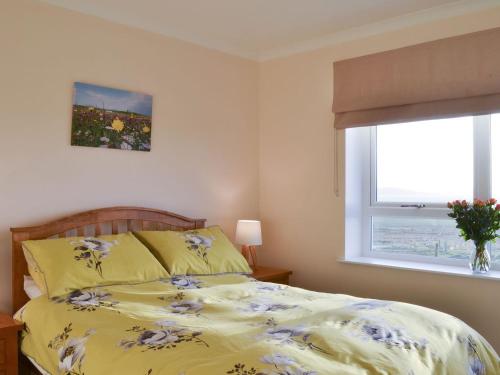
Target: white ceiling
{"points": [[261, 29]]}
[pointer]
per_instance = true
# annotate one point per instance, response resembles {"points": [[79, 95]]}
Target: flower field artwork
{"points": [[111, 118]]}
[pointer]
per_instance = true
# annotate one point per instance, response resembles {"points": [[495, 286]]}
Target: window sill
{"points": [[423, 267]]}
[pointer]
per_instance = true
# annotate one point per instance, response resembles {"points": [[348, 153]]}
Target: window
{"points": [[409, 174]]}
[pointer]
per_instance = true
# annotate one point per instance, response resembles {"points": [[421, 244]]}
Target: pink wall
{"points": [[204, 158], [303, 220]]}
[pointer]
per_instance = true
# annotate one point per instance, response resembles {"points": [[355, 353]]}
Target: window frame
{"points": [[482, 189]]}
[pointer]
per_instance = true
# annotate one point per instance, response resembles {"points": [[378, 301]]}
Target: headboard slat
{"points": [[140, 225], [114, 227], [130, 225], [78, 222], [149, 225]]}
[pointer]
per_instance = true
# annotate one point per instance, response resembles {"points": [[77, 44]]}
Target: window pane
{"points": [[495, 155], [418, 236], [495, 252], [428, 161], [495, 177]]}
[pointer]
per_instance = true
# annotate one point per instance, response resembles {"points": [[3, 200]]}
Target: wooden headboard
{"points": [[110, 220]]}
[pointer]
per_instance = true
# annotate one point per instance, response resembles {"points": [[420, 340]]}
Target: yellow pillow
{"points": [[34, 271], [195, 252], [61, 265]]}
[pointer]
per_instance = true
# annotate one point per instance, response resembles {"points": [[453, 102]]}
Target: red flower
{"points": [[497, 207], [478, 202], [492, 201]]}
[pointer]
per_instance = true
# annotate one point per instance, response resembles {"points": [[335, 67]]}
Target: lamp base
{"points": [[250, 255]]}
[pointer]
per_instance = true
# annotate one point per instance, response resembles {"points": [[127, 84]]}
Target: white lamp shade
{"points": [[248, 232]]}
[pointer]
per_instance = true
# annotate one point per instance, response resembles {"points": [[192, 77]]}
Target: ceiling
{"points": [[261, 29]]}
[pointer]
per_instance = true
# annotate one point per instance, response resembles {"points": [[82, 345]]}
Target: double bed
{"points": [[227, 323]]}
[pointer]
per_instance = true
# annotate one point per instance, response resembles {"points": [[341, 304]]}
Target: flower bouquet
{"points": [[478, 221]]}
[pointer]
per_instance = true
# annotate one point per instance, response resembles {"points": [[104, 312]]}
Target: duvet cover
{"points": [[233, 324]]}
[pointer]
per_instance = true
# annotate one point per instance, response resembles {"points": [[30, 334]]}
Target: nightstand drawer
{"points": [[3, 355], [280, 280], [272, 275], [9, 330]]}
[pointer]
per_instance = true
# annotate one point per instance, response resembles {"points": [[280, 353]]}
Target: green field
{"points": [[98, 127], [423, 236]]}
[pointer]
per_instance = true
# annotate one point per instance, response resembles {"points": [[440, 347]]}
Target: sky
{"points": [[427, 161], [432, 160], [113, 99]]}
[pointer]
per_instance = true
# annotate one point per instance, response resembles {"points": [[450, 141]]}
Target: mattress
{"points": [[233, 324]]}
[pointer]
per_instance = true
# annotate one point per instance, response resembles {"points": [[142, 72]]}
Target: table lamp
{"points": [[248, 235]]}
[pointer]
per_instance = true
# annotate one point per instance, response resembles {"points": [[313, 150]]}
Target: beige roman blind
{"points": [[450, 77]]}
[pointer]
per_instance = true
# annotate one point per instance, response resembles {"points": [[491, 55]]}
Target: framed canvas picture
{"points": [[111, 118]]}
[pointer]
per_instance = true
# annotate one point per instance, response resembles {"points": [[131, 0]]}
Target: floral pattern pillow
{"points": [[205, 251], [63, 265]]}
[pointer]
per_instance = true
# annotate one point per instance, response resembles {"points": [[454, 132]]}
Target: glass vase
{"points": [[480, 260]]}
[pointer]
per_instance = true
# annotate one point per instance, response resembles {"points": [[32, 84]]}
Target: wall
{"points": [[303, 220], [204, 158]]}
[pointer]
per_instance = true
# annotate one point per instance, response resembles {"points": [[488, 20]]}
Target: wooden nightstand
{"points": [[273, 275], [9, 329]]}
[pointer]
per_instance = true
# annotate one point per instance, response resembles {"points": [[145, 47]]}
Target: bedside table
{"points": [[273, 275], [9, 329]]}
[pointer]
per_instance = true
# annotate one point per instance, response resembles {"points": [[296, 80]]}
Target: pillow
{"points": [[30, 287], [195, 252], [34, 271], [62, 265]]}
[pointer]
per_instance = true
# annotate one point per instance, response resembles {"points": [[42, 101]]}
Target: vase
{"points": [[480, 259]]}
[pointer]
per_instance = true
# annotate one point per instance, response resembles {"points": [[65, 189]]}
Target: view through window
{"points": [[418, 236], [427, 163]]}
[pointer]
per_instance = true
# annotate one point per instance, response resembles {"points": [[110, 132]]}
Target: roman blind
{"points": [[451, 77]]}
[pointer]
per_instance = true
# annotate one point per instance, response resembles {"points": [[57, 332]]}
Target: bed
{"points": [[227, 324]]}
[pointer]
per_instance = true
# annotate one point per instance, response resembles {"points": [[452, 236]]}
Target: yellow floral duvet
{"points": [[232, 324]]}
